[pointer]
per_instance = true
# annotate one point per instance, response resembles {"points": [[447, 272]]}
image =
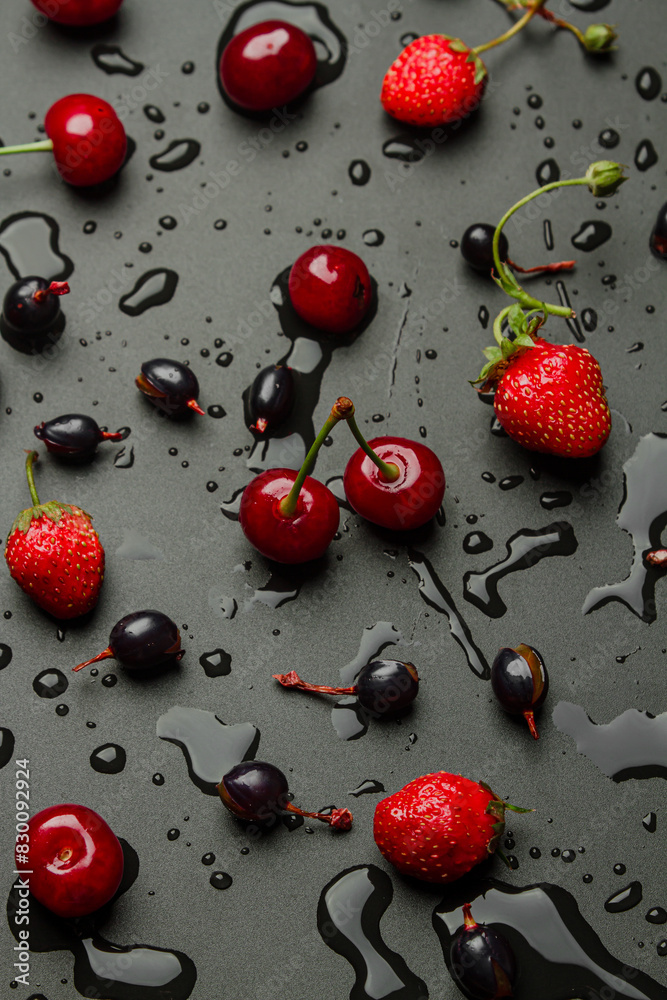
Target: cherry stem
{"points": [[339, 819], [339, 411], [528, 16], [55, 288], [563, 265], [111, 435], [388, 470], [104, 655], [530, 719], [292, 680], [657, 557], [29, 462], [468, 920], [45, 146], [194, 405]]}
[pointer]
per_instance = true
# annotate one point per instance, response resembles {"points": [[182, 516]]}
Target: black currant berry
{"points": [[481, 961], [73, 436], [31, 314], [170, 386], [258, 792], [384, 688], [477, 246], [271, 397], [520, 682], [658, 242], [142, 641]]}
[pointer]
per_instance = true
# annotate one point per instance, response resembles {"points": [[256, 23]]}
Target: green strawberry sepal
{"points": [[496, 808], [53, 510], [456, 45]]}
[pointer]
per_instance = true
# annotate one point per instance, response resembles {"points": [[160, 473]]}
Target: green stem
{"points": [[389, 471], [30, 460], [45, 146], [514, 30], [498, 323], [339, 412]]}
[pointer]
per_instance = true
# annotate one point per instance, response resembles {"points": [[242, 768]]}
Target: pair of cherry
{"points": [[393, 482]]}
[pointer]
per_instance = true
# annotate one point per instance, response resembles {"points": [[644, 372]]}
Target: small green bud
{"points": [[605, 178], [599, 38]]}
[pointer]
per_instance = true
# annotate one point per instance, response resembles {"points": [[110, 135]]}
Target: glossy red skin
{"points": [[305, 535], [330, 288], [89, 141], [90, 878], [408, 502], [267, 65], [77, 13]]}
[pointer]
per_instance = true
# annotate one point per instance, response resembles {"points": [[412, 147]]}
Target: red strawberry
{"points": [[435, 80], [54, 555], [440, 826], [549, 397]]}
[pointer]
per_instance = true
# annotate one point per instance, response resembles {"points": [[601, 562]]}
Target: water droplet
{"points": [[112, 59], [476, 542], [124, 458], [216, 411], [405, 148], [559, 498], [510, 482], [30, 245], [359, 172], [110, 758], [591, 235], [373, 238], [650, 822], [158, 779], [367, 787], [645, 155], [173, 834], [154, 114], [5, 655], [179, 153], [626, 899], [648, 83], [217, 663], [50, 683], [153, 288], [547, 172]]}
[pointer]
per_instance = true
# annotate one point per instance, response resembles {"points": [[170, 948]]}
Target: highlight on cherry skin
{"points": [[385, 689], [267, 65], [330, 288], [142, 641], [78, 13], [86, 137], [258, 792], [75, 858]]}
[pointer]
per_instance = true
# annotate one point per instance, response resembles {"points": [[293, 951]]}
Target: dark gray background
{"points": [[264, 926]]}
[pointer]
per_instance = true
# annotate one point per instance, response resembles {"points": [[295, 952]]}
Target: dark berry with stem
{"points": [[73, 436], [658, 241], [393, 482], [78, 13], [267, 65], [384, 688], [142, 641], [288, 516], [271, 397], [482, 962], [330, 288], [258, 792], [31, 313], [170, 386], [477, 251], [86, 137], [520, 682]]}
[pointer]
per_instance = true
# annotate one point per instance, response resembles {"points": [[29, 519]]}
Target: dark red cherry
{"points": [[78, 13], [31, 314], [298, 537], [75, 859], [271, 397], [258, 792], [267, 65], [481, 961], [384, 688], [658, 241], [142, 641], [520, 682], [73, 436], [330, 288], [170, 386], [410, 499]]}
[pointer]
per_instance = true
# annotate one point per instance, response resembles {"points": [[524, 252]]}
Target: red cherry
{"points": [[78, 13], [75, 858], [296, 538], [86, 137], [411, 499], [267, 65], [330, 288]]}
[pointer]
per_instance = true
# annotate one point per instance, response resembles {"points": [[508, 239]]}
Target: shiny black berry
{"points": [[258, 792], [142, 641], [271, 397], [520, 682], [481, 960], [477, 246], [170, 386], [31, 314], [73, 436], [658, 242], [386, 688]]}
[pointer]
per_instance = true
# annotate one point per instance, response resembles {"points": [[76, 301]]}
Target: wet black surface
{"points": [[181, 263]]}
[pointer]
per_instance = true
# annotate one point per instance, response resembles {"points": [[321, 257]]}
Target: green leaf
{"points": [[485, 371], [524, 340], [517, 320], [480, 70], [507, 347], [493, 353], [456, 45]]}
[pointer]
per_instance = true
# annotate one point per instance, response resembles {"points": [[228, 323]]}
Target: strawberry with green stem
{"points": [[548, 397], [438, 80], [54, 554]]}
